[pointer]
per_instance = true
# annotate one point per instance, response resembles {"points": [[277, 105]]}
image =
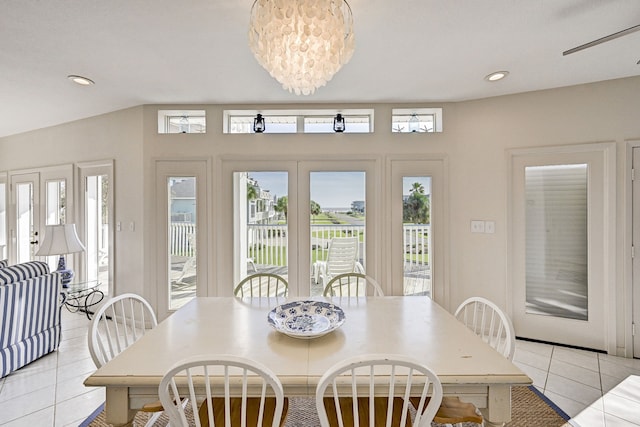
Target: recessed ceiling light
{"points": [[498, 75], [80, 80]]}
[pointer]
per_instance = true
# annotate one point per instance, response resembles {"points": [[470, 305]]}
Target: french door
{"points": [[96, 229], [285, 213], [636, 255], [4, 251], [38, 198], [562, 228], [182, 242], [418, 228], [25, 228]]}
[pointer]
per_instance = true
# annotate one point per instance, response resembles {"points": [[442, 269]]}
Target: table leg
{"points": [[498, 410], [116, 407], [93, 298]]}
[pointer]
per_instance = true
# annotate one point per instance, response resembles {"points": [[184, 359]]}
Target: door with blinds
{"points": [[562, 244]]}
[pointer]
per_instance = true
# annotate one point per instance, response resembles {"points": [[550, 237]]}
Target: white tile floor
{"points": [[594, 389]]}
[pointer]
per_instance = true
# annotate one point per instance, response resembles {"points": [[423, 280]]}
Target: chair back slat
{"points": [[378, 389], [224, 384], [352, 285], [262, 285], [490, 323], [120, 322]]}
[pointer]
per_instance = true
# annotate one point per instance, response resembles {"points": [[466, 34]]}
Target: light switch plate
{"points": [[490, 227]]}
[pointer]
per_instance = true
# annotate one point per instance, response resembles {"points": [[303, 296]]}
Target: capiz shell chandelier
{"points": [[301, 43]]}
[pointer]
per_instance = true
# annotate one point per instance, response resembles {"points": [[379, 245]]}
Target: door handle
{"points": [[34, 242]]}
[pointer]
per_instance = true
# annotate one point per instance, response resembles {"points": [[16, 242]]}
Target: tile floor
{"points": [[594, 389]]}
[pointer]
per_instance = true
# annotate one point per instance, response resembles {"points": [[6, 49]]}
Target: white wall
{"points": [[115, 136], [475, 138]]}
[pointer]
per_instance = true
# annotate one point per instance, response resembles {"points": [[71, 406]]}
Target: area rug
{"points": [[529, 408]]}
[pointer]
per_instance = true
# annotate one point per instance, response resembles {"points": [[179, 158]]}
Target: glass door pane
{"points": [[183, 271], [261, 207], [557, 240], [55, 213], [3, 221], [97, 228], [55, 203], [416, 234], [24, 221], [337, 211]]}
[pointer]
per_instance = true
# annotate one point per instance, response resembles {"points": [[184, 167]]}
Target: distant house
{"points": [[183, 200], [261, 210]]}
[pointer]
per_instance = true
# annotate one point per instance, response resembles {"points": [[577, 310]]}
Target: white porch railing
{"points": [[268, 243], [267, 248], [182, 236]]}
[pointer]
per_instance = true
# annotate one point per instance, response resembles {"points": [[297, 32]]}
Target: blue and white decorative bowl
{"points": [[306, 319]]}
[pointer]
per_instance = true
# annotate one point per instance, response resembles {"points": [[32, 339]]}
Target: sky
{"points": [[330, 189]]}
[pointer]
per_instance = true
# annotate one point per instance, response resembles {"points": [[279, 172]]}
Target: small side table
{"points": [[82, 295]]}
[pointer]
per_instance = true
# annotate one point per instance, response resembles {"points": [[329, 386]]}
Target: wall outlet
{"points": [[490, 227], [477, 226]]}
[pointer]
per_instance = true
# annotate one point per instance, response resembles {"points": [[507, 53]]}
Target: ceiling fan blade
{"points": [[603, 39]]}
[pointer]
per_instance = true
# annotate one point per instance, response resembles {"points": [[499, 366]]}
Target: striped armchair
{"points": [[30, 303]]}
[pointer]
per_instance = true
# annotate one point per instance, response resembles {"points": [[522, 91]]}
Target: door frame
{"points": [[4, 225], [43, 174], [83, 170], [630, 243], [298, 219], [437, 167], [607, 160], [200, 168]]}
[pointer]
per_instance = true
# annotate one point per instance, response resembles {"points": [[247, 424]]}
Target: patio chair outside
{"points": [[342, 257]]}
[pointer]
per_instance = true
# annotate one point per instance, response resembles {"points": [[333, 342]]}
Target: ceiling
{"points": [[195, 51]]}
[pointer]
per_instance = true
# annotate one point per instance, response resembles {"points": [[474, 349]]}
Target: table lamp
{"points": [[60, 240]]}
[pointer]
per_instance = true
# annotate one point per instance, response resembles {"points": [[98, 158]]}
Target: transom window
{"points": [[416, 120], [298, 121], [182, 121]]}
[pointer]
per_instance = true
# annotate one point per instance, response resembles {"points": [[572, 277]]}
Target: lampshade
{"points": [[301, 43], [60, 239]]}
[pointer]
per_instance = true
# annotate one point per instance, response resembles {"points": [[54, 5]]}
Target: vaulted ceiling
{"points": [[196, 51]]}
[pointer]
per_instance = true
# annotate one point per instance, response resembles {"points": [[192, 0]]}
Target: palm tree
{"points": [[281, 206], [252, 192], [417, 187], [315, 209], [417, 206]]}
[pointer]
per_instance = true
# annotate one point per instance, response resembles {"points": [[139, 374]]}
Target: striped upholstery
{"points": [[29, 317], [4, 263], [23, 271]]}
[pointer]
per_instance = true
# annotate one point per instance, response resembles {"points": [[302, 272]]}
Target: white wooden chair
{"points": [[375, 392], [342, 257], [262, 285], [491, 324], [120, 322], [209, 380], [352, 285]]}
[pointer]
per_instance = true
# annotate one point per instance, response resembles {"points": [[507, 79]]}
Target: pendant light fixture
{"points": [[301, 43]]}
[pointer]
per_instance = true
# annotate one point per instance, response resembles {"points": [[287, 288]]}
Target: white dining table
{"points": [[412, 326]]}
